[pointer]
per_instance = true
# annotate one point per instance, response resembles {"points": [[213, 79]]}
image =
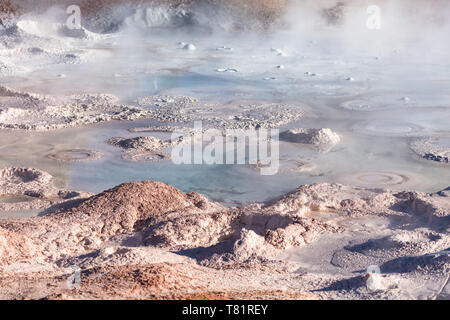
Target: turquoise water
{"points": [[391, 101]]}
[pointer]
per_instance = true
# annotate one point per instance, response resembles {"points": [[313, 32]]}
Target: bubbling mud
{"points": [[146, 157], [289, 166], [296, 166], [360, 105]]}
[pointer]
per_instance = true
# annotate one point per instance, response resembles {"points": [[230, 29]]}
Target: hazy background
{"points": [[422, 24]]}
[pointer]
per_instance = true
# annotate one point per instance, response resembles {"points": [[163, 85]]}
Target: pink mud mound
{"points": [[123, 207]]}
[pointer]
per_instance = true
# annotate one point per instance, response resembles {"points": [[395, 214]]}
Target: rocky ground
{"points": [[430, 149], [235, 115], [28, 111], [149, 240], [34, 112], [26, 189]]}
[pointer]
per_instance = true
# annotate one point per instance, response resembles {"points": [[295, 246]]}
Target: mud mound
{"points": [[427, 206], [314, 197], [142, 148], [26, 181], [234, 235], [183, 231], [321, 138], [168, 218], [75, 227], [129, 208], [130, 205], [354, 201], [138, 143], [434, 149], [25, 189], [248, 248]]}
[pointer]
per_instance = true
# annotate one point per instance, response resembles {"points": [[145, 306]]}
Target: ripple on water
{"points": [[388, 128], [380, 102], [375, 179], [332, 89], [362, 105], [398, 100], [76, 155]]}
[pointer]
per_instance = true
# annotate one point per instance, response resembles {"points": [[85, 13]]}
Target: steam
{"points": [[326, 28], [415, 26], [419, 25]]}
